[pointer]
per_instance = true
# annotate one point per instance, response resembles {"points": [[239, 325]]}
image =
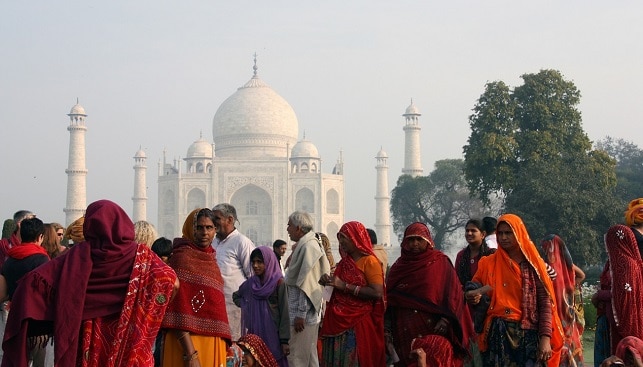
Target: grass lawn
{"points": [[588, 347]]}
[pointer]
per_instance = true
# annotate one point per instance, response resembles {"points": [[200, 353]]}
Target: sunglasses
{"points": [[60, 234]]}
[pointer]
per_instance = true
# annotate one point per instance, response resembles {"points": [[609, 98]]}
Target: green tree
{"points": [[529, 145], [441, 200], [629, 167]]}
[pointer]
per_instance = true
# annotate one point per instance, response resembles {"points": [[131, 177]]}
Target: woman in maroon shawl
{"points": [[425, 301], [353, 327], [198, 332], [627, 283], [102, 300]]}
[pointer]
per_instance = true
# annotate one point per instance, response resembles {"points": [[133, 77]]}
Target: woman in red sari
{"points": [[559, 258], [102, 300], [626, 270], [353, 327], [425, 302]]}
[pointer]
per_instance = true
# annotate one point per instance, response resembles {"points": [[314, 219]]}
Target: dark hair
{"points": [[372, 235], [162, 247], [31, 229], [489, 224], [478, 223], [205, 212], [256, 254], [278, 243]]}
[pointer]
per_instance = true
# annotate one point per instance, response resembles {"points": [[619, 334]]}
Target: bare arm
{"points": [[4, 295], [580, 275]]}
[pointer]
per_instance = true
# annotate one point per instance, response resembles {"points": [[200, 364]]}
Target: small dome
{"points": [[140, 154], [77, 110], [412, 110], [200, 149], [382, 154], [305, 149]]}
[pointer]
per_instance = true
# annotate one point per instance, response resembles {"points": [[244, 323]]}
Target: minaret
{"points": [[412, 154], [140, 187], [76, 170], [382, 200]]}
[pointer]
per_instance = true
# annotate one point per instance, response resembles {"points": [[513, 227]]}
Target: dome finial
{"points": [[200, 134], [254, 68], [304, 134]]}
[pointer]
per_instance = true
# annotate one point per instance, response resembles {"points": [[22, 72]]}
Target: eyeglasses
{"points": [[60, 234]]}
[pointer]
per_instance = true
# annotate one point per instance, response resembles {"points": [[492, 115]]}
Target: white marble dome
{"points": [[77, 110], [305, 149], [200, 149], [255, 121]]}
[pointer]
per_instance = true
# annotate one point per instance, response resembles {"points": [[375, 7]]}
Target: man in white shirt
{"points": [[233, 257]]}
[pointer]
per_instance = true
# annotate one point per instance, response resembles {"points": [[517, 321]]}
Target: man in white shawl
{"points": [[307, 264]]}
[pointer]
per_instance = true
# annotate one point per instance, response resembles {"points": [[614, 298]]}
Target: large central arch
{"points": [[254, 210]]}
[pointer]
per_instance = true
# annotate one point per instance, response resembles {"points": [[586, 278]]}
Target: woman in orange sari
{"points": [[521, 327]]}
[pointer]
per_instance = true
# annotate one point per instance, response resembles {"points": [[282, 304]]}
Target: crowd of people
{"points": [[110, 292]]}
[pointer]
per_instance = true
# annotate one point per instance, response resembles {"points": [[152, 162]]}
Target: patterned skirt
{"points": [[510, 346], [339, 351]]}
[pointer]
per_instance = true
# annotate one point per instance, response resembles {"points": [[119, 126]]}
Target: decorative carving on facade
{"points": [[234, 183]]}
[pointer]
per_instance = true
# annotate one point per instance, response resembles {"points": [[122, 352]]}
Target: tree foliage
{"points": [[441, 200], [629, 167], [529, 144]]}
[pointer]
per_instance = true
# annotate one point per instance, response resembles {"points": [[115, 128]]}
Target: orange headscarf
{"points": [[634, 212], [496, 270]]}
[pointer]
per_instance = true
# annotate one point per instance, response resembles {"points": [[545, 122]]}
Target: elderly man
{"points": [[308, 263], [233, 257]]}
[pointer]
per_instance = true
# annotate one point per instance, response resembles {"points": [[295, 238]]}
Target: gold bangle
{"points": [[191, 357]]}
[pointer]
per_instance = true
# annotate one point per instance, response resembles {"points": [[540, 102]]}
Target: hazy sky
{"points": [[153, 73]]}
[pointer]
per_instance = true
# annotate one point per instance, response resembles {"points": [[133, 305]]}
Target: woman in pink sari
{"points": [[559, 258]]}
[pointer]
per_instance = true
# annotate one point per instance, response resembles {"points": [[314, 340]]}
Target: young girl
{"points": [[466, 262], [264, 304]]}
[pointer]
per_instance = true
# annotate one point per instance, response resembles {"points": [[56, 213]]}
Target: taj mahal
{"points": [[256, 162]]}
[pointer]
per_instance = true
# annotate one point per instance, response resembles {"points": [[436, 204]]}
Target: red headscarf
{"points": [[428, 282], [346, 311], [627, 281], [260, 352], [633, 345]]}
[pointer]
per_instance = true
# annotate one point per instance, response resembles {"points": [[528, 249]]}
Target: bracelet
{"points": [[356, 290], [191, 357], [182, 336]]}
